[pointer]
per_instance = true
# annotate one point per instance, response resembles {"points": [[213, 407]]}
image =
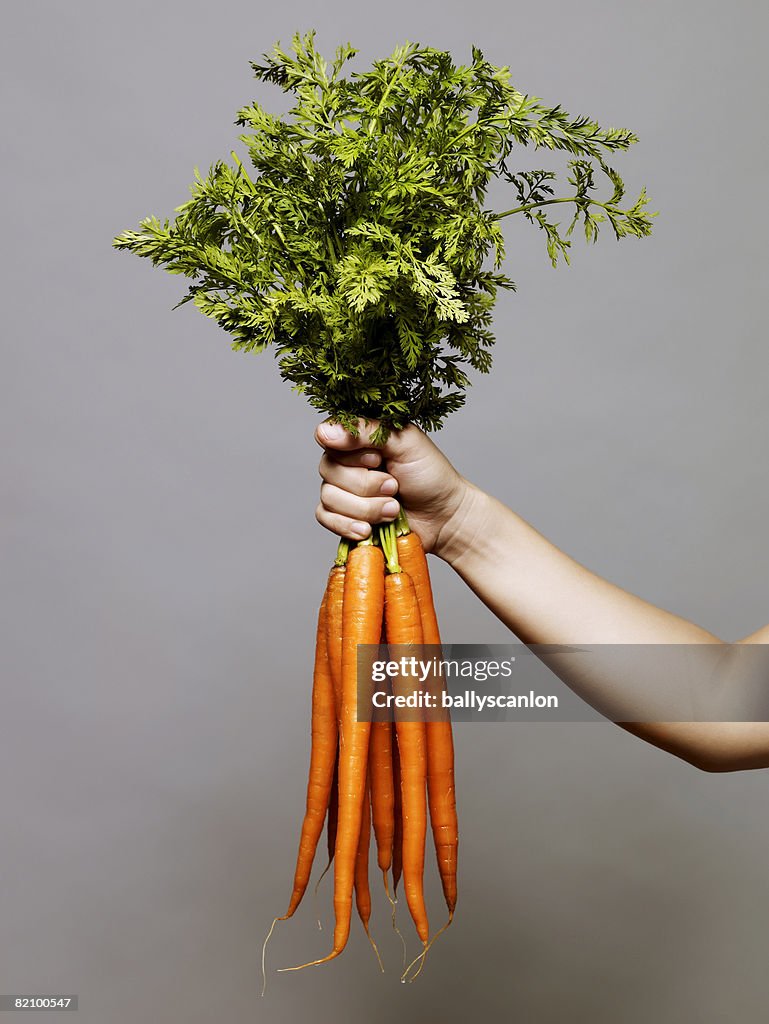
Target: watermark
{"points": [[38, 1002], [564, 683]]}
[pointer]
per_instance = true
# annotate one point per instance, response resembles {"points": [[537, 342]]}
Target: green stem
{"points": [[241, 168], [549, 202], [282, 237], [389, 546], [476, 124], [342, 552], [397, 65], [402, 524], [330, 249]]}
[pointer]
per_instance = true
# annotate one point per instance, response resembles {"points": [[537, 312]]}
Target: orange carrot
{"points": [[397, 843], [333, 812], [404, 627], [397, 859], [334, 630], [331, 823], [380, 766], [322, 758], [362, 621], [382, 791], [440, 742], [362, 890], [334, 602]]}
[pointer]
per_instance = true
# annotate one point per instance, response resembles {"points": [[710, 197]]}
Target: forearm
{"points": [[546, 597], [543, 595]]}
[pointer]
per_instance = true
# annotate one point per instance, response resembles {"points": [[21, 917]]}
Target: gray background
{"points": [[162, 567]]}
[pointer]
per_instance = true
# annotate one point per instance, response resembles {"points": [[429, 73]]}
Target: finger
{"points": [[343, 526], [367, 483], [333, 435], [408, 442], [368, 510], [363, 457]]}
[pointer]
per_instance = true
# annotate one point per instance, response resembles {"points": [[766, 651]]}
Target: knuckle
{"points": [[369, 510], [373, 512], [365, 486]]}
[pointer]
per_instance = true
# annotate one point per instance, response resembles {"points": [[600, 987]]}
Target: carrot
{"points": [[382, 791], [322, 759], [397, 844], [334, 623], [324, 732], [331, 824], [361, 622], [362, 890], [333, 812], [397, 859], [334, 602], [440, 742], [380, 766], [404, 627]]}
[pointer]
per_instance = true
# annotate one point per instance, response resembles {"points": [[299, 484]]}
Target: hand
{"points": [[356, 494]]}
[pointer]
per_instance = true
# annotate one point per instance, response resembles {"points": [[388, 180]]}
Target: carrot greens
{"points": [[358, 243]]}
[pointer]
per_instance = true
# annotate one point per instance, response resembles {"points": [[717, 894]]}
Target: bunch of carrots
{"points": [[354, 248], [385, 773]]}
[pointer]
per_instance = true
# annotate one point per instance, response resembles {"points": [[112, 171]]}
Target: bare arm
{"points": [[546, 597], [538, 591]]}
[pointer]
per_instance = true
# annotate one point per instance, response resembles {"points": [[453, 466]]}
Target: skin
{"points": [[539, 592]]}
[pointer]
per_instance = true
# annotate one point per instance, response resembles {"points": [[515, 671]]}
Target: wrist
{"points": [[457, 535]]}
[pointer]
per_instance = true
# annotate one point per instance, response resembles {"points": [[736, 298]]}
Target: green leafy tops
{"points": [[357, 243]]}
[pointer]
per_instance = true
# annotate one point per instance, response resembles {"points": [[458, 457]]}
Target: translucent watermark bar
{"points": [[564, 683]]}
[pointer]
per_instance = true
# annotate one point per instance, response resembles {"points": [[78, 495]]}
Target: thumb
{"points": [[401, 446], [333, 435]]}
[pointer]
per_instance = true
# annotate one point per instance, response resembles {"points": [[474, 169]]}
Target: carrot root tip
{"points": [[310, 963], [264, 950], [374, 947], [421, 956], [398, 932]]}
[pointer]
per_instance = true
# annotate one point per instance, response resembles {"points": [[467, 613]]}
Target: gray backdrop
{"points": [[162, 566]]}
